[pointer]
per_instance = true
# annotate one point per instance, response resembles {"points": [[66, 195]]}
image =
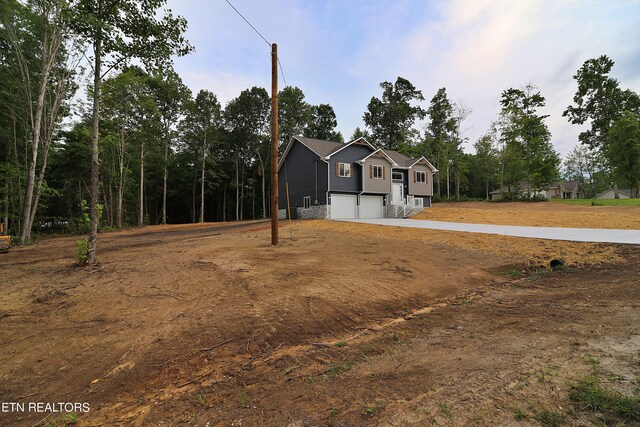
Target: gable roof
{"points": [[360, 141], [626, 191], [406, 162], [381, 151]]}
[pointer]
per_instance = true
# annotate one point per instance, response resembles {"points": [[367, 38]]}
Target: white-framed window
{"points": [[396, 176], [306, 202], [421, 177], [377, 172], [344, 170]]}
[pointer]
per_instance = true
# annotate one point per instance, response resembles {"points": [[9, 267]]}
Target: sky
{"points": [[339, 51]]}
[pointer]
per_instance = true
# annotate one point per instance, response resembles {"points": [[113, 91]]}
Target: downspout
{"points": [[328, 189]]}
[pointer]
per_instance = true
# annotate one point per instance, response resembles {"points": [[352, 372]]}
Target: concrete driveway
{"points": [[598, 235]]}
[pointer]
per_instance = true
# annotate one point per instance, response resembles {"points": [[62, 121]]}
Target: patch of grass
{"points": [[599, 202], [341, 343], [371, 410], [592, 360], [421, 409], [550, 418], [289, 369], [244, 400], [201, 399], [63, 420], [341, 367], [446, 409], [588, 395], [513, 273], [519, 414]]}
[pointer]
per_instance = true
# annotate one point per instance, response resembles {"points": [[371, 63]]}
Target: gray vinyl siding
{"points": [[300, 169], [351, 154]]}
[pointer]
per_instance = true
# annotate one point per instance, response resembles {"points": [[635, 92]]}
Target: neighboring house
{"points": [[624, 193], [328, 179], [559, 190], [566, 190]]}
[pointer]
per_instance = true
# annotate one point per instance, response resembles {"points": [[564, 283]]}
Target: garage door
{"points": [[343, 206], [371, 207]]}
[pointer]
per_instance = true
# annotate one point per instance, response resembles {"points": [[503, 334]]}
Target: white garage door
{"points": [[371, 207], [343, 206]]}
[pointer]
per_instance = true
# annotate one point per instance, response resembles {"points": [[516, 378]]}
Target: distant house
{"points": [[327, 179], [625, 193], [558, 190], [566, 190]]}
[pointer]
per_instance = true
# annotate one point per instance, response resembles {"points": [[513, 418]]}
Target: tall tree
{"points": [[441, 129], [37, 32], [172, 97], [392, 117], [623, 149], [587, 167], [247, 119], [322, 123], [527, 136], [599, 101], [487, 157], [293, 113], [119, 30]]}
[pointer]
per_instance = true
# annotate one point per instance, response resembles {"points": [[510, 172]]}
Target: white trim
{"points": [[373, 172], [428, 163], [348, 144], [424, 181], [345, 164], [393, 163]]}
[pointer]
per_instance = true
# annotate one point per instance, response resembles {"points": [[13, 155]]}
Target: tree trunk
{"points": [[237, 189], [204, 162], [95, 165], [224, 204], [448, 185], [141, 201], [165, 174], [121, 154], [242, 194], [264, 200], [193, 195]]}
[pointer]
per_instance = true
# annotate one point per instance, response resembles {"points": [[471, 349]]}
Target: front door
{"points": [[397, 195]]}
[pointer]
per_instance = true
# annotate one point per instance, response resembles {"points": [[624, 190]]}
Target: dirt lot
{"points": [[338, 325], [548, 214]]}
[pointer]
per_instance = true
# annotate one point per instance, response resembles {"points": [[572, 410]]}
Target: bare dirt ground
{"points": [[210, 325], [546, 214]]}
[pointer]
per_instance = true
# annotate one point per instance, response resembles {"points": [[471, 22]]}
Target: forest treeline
{"points": [[87, 139]]}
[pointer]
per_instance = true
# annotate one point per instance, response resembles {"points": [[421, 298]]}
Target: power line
{"points": [[245, 20], [261, 36]]}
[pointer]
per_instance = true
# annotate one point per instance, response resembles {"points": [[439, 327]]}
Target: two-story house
{"points": [[325, 179]]}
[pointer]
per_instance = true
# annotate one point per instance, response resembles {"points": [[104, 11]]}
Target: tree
{"points": [[528, 140], [119, 30], [172, 97], [360, 133], [322, 123], [247, 118], [487, 157], [588, 167], [599, 100], [293, 113], [623, 149], [441, 128], [392, 117], [37, 33]]}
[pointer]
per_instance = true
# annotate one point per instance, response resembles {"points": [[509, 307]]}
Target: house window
{"points": [[421, 177], [396, 176], [377, 172], [306, 202], [344, 170]]}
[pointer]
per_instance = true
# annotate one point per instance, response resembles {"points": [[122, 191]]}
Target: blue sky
{"points": [[338, 52]]}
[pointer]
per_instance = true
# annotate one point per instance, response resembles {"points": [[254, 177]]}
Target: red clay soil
{"points": [[210, 325]]}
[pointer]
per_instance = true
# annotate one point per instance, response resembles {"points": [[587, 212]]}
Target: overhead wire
{"points": [[259, 34]]}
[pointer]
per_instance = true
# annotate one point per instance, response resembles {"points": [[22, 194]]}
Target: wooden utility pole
{"points": [[274, 144]]}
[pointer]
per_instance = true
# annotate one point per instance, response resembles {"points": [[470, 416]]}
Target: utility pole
{"points": [[274, 144]]}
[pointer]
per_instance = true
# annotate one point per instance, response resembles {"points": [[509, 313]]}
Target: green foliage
{"points": [[599, 101], [623, 149], [550, 418], [322, 123], [293, 113], [62, 420], [599, 202], [82, 251], [392, 117], [588, 395]]}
